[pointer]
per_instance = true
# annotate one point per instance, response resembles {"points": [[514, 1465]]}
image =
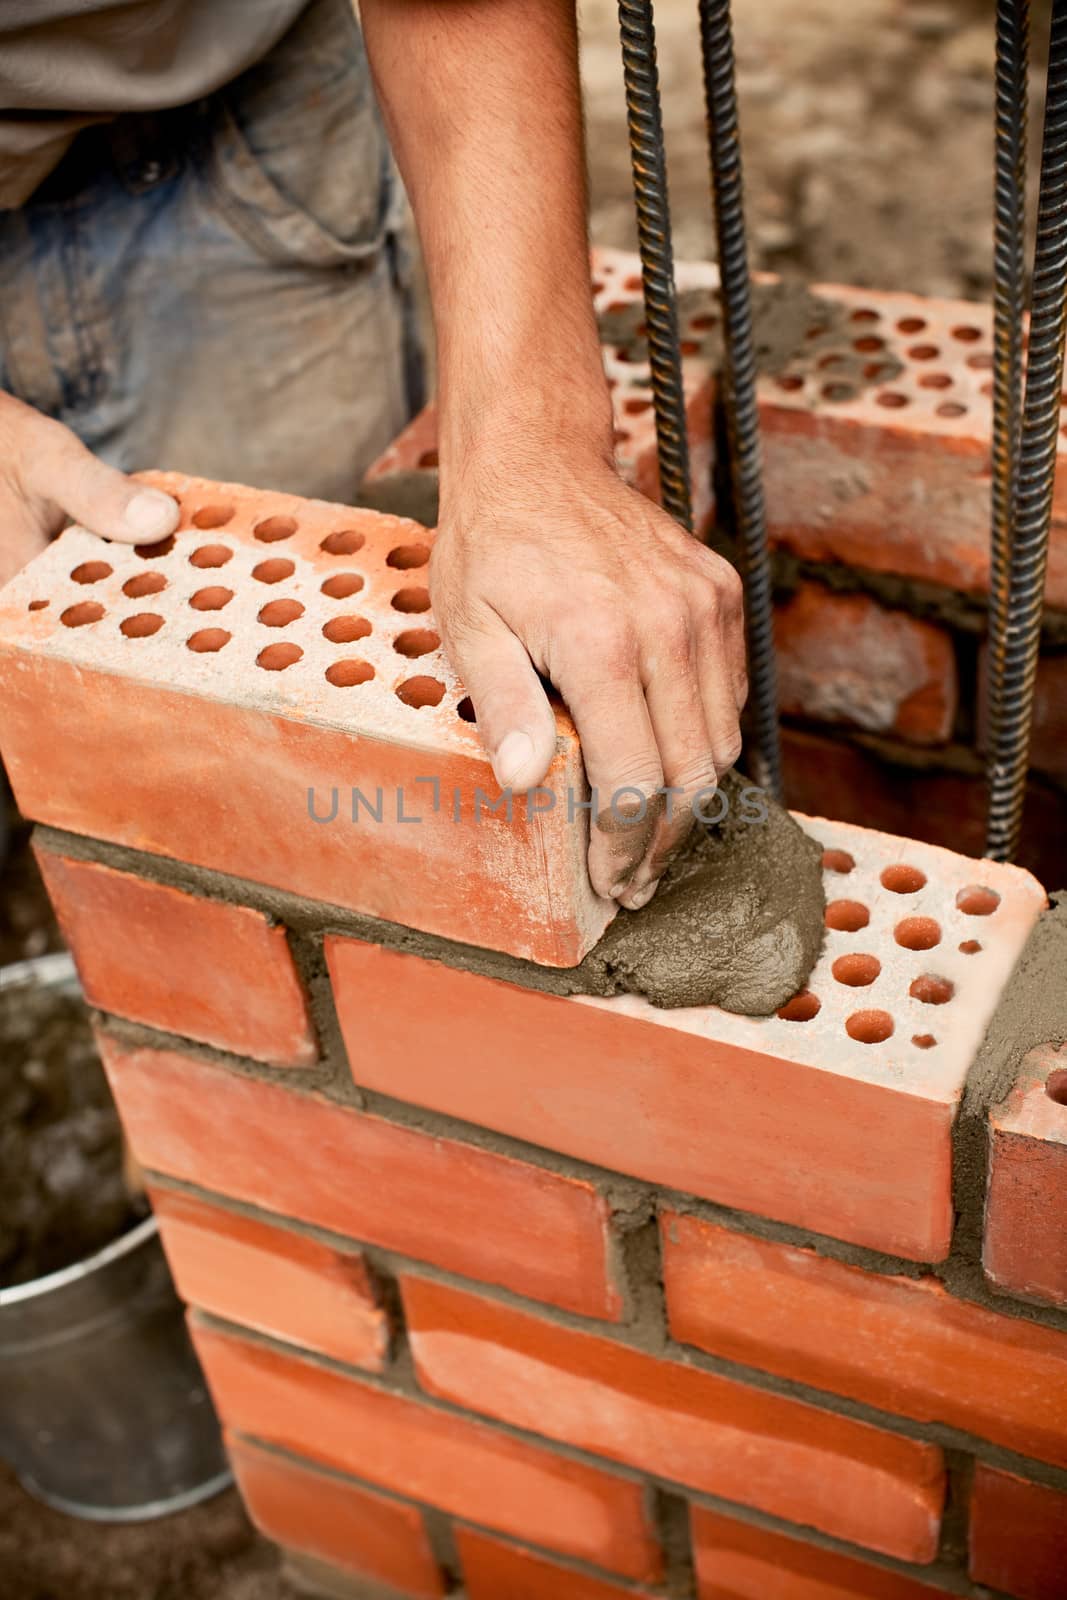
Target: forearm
{"points": [[482, 103]]}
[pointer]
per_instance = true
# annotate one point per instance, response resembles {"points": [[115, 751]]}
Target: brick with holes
{"points": [[711, 1433], [1025, 1246], [903, 1345], [264, 693], [1018, 1535], [835, 1115]]}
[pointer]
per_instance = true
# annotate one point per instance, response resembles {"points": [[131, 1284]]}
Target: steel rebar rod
{"points": [[651, 202], [1028, 556], [1009, 305], [740, 405]]}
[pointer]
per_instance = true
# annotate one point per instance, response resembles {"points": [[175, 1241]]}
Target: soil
{"points": [[62, 1192]]}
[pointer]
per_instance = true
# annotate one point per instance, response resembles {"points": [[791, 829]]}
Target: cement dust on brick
{"points": [[737, 921]]}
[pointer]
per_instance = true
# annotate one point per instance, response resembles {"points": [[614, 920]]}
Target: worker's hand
{"points": [[48, 478], [571, 574]]}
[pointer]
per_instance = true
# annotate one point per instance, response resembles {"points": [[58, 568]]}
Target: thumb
{"points": [[515, 719], [59, 469]]}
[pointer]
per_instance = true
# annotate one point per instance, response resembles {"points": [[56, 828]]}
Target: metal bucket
{"points": [[104, 1412]]}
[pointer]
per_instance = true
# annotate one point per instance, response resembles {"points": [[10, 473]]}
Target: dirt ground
{"points": [[867, 133]]}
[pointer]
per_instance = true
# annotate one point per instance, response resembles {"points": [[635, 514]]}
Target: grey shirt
{"points": [[65, 64]]}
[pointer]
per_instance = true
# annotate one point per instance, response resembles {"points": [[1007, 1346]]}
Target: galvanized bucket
{"points": [[104, 1412]]}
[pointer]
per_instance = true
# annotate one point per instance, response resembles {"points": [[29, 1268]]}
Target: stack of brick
{"points": [[876, 414], [503, 1294]]}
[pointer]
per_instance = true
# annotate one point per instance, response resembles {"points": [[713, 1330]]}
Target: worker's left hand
{"points": [[541, 567]]}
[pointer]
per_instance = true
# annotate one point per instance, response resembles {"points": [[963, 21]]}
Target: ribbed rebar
{"points": [[741, 410], [1009, 305], [1028, 556], [651, 202]]}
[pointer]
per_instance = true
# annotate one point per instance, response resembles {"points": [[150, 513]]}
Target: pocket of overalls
{"points": [[299, 161]]}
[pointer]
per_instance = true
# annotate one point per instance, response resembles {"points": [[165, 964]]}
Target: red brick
{"points": [[273, 1280], [707, 1432], [1018, 1536], [833, 778], [1048, 727], [496, 1571], [735, 1561], [341, 1523], [426, 1454], [904, 1345], [844, 658], [209, 756], [468, 1210], [764, 1114], [214, 972], [1025, 1246]]}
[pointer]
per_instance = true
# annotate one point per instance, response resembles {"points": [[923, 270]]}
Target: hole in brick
{"points": [[208, 640], [847, 916], [951, 409], [411, 600], [274, 571], [923, 1041], [212, 599], [419, 692], [838, 392], [142, 626], [702, 323], [37, 605], [405, 557], [162, 547], [892, 398], [903, 880], [343, 542], [347, 674], [279, 613], [634, 408], [91, 572], [620, 435], [343, 585], [465, 709], [802, 1008], [935, 380], [416, 642], [980, 362], [1056, 1086], [865, 314], [346, 630], [84, 612], [817, 331], [271, 529], [828, 363], [932, 990], [878, 371], [622, 355], [856, 971], [838, 861], [789, 382], [429, 458], [212, 516], [978, 901], [917, 933], [868, 344], [967, 334], [911, 325], [869, 1027], [633, 282], [923, 352], [689, 347], [970, 947], [144, 583], [276, 657], [211, 555]]}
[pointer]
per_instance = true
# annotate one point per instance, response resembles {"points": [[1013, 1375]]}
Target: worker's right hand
{"points": [[48, 478]]}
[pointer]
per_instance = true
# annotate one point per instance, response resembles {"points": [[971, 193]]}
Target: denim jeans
{"points": [[224, 289]]}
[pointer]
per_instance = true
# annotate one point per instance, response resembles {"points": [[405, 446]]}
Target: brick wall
{"points": [[501, 1293], [876, 417]]}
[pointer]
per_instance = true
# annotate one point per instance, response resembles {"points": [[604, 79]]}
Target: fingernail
{"points": [[514, 753], [618, 889], [151, 513], [643, 896]]}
